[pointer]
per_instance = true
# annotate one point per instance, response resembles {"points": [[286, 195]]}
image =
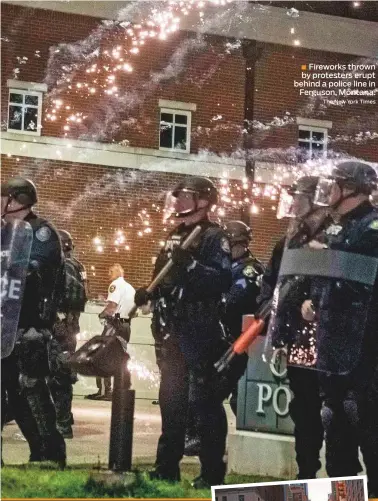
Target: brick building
{"points": [[261, 493], [104, 159], [355, 490], [296, 492]]}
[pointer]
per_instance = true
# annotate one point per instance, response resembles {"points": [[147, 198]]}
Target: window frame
{"points": [[311, 129], [26, 92], [188, 126]]}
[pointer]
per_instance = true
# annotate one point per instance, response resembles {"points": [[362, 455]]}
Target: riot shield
{"points": [[16, 243], [341, 284]]}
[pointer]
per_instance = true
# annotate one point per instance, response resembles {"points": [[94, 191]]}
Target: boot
{"points": [[167, 476], [107, 396], [94, 396]]}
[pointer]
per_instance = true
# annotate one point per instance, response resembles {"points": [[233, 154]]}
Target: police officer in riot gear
{"points": [[73, 299], [24, 372], [241, 299], [305, 406], [345, 307], [186, 306]]}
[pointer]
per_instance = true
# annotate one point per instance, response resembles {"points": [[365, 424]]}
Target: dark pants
{"points": [[28, 393], [350, 415], [305, 410], [62, 377], [116, 328], [228, 387], [11, 397], [179, 388]]}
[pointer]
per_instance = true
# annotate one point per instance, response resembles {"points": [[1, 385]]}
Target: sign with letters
{"points": [[264, 395]]}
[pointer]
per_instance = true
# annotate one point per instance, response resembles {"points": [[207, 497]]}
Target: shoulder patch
{"points": [[225, 245], [43, 234], [249, 271], [374, 225], [112, 288]]}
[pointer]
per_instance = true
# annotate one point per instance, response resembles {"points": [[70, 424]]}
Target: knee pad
{"points": [[327, 414], [351, 411], [27, 382], [34, 353]]}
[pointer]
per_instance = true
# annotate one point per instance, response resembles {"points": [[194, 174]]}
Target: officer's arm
{"points": [[215, 276], [236, 293], [109, 310], [270, 276], [46, 249], [112, 301], [368, 241]]}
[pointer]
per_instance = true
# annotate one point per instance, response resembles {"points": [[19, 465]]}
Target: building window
{"points": [[224, 498], [24, 111], [175, 130], [313, 141], [241, 497]]}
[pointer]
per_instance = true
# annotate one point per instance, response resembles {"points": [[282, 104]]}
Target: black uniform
{"points": [[238, 301], [190, 336], [347, 338], [66, 328], [305, 406], [24, 372]]}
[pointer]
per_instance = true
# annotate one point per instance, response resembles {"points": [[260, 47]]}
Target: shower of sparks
{"points": [[304, 352], [104, 74], [142, 372]]}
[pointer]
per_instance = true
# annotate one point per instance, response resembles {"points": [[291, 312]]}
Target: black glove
{"points": [[142, 296], [182, 257]]}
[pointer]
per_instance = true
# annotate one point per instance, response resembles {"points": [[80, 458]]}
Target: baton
{"points": [[246, 338], [167, 267]]}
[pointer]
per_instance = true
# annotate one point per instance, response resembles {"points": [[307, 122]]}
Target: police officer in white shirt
{"points": [[119, 302]]}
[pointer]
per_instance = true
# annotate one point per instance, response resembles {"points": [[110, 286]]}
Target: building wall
{"points": [[263, 493], [207, 76], [97, 200], [355, 490], [91, 200]]}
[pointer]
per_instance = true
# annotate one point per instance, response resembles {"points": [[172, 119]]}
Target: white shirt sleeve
{"points": [[114, 293]]}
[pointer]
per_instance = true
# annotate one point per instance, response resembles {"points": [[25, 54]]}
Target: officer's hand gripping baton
{"points": [[167, 267], [246, 338]]}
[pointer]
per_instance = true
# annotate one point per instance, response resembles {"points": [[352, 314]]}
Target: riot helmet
{"points": [[353, 175], [184, 200], [67, 242], [297, 201], [238, 233], [20, 189]]}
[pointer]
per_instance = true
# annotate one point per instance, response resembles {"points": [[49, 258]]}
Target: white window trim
{"points": [[30, 86], [312, 122], [311, 128], [177, 105], [38, 130], [188, 126]]}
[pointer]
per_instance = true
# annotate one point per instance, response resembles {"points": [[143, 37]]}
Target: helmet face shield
{"points": [[326, 191], [293, 204], [374, 198], [179, 204], [169, 206], [285, 204]]}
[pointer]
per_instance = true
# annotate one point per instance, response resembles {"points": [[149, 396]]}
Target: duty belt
{"points": [[330, 263]]}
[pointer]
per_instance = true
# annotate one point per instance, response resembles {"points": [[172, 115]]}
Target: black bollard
{"points": [[122, 421]]}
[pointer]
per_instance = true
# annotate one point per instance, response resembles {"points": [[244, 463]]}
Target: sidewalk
{"points": [[91, 434]]}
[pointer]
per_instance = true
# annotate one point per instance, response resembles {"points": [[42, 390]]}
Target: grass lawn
{"points": [[33, 481]]}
